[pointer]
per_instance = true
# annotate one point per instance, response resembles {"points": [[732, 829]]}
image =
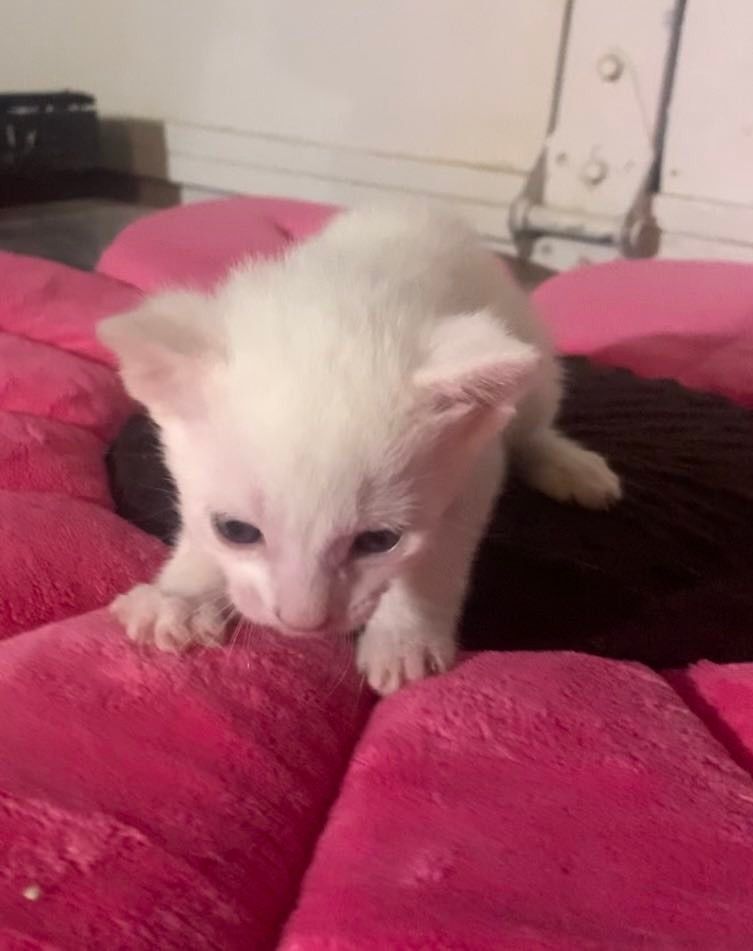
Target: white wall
{"points": [[467, 81]]}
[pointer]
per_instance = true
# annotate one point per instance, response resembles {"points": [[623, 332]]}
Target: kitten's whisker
{"points": [[219, 602], [341, 677], [358, 696], [240, 630]]}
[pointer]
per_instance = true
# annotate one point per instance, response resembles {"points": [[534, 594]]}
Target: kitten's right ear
{"points": [[474, 366], [163, 347]]}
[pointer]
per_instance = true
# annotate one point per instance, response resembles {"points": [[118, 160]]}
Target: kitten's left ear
{"points": [[164, 347], [474, 365]]}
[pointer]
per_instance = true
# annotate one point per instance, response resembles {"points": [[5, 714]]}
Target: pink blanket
{"points": [[257, 797]]}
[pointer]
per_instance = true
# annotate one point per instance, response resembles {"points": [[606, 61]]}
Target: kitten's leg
{"points": [[562, 469], [551, 462], [184, 605], [413, 631], [408, 637]]}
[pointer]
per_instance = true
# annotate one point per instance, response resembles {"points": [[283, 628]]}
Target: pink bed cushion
{"points": [[38, 379], [44, 455], [689, 320], [723, 695], [60, 556], [151, 801], [534, 801], [58, 305], [62, 549], [196, 244]]}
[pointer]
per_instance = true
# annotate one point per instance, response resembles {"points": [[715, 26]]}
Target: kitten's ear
{"points": [[474, 364], [164, 347]]}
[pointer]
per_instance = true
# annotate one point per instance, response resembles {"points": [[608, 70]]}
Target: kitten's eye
{"points": [[374, 543], [235, 531]]}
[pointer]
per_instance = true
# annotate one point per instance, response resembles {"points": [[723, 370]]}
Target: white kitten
{"points": [[338, 423]]}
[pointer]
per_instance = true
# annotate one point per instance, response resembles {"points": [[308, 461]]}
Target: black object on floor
{"points": [[665, 578], [48, 131]]}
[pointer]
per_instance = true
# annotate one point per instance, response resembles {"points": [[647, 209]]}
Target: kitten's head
{"points": [[315, 469]]}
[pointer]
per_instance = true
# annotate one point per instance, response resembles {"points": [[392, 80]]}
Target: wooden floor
{"points": [[72, 232], [76, 232]]}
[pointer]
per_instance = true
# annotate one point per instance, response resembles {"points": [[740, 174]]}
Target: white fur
{"points": [[361, 382]]}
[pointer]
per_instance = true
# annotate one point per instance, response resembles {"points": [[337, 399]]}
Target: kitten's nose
{"points": [[303, 601]]}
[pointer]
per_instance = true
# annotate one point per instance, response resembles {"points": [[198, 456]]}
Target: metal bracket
{"points": [[591, 186]]}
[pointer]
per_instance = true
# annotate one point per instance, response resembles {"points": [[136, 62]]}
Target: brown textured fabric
{"points": [[666, 577], [141, 485]]}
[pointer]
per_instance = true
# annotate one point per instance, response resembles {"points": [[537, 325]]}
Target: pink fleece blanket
{"points": [[256, 797]]}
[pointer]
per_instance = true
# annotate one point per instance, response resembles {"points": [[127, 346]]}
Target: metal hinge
{"points": [[589, 195]]}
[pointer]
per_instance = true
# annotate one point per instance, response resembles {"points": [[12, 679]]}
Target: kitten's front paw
{"points": [[389, 662], [169, 622]]}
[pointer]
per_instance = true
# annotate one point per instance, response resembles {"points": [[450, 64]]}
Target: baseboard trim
{"points": [[231, 161]]}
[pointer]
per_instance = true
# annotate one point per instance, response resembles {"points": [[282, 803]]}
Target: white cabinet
{"points": [[705, 203]]}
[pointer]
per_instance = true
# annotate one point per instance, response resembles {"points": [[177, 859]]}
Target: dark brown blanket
{"points": [[666, 577]]}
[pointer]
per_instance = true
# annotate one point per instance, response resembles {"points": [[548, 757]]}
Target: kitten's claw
{"points": [[389, 664], [168, 622]]}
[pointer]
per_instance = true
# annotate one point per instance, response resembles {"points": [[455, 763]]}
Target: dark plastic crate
{"points": [[50, 131]]}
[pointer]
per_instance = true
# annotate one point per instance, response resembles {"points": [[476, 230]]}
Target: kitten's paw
{"points": [[388, 662], [168, 622], [569, 473]]}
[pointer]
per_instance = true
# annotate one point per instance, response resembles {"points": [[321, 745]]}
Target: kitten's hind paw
{"points": [[566, 472], [166, 621]]}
